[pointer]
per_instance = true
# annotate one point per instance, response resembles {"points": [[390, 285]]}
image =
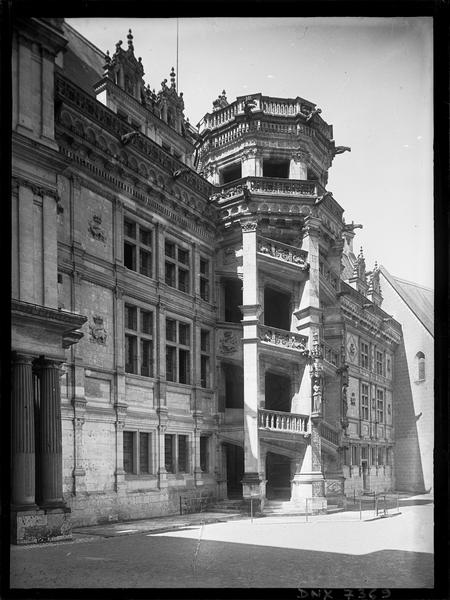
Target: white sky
{"points": [[372, 78]]}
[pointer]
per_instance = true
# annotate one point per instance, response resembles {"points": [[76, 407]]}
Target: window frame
{"points": [[364, 403], [140, 248], [204, 453], [364, 356], [379, 362], [175, 467], [381, 397], [178, 265], [205, 279], [136, 452], [175, 348], [205, 359], [139, 336], [420, 367]]}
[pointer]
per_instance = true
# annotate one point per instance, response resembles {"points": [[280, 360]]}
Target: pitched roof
{"points": [[418, 298], [83, 62]]}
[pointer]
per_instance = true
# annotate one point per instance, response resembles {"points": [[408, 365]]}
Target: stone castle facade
{"points": [[189, 318]]}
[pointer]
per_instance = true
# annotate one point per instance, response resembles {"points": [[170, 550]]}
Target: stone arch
{"points": [[143, 170], [78, 127], [90, 135], [101, 142]]}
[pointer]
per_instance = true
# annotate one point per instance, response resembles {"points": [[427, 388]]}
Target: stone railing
{"points": [[108, 120], [330, 354], [329, 433], [268, 185], [274, 420], [283, 252], [283, 339], [289, 187]]}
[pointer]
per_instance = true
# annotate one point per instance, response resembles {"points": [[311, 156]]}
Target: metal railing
{"points": [[274, 420]]}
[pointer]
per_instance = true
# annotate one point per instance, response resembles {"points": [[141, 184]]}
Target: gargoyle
{"points": [[127, 137]]}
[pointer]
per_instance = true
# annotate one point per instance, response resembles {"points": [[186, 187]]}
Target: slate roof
{"points": [[83, 62], [418, 298]]}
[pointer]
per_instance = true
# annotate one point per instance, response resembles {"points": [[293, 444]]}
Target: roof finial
{"points": [[107, 57], [130, 40], [172, 79]]}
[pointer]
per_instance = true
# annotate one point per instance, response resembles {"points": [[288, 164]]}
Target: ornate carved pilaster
{"points": [[119, 473], [23, 438], [50, 436], [162, 428], [79, 409]]}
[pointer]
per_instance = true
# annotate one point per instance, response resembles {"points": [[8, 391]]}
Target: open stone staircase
{"points": [[273, 508]]}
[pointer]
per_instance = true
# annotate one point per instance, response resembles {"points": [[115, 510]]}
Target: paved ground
{"points": [[336, 550]]}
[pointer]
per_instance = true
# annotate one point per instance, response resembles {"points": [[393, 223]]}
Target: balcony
{"points": [[277, 421], [270, 186], [283, 340], [276, 252]]}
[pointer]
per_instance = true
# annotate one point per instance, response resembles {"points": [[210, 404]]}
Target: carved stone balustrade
{"points": [[283, 252], [329, 433], [274, 420], [283, 339], [285, 187]]}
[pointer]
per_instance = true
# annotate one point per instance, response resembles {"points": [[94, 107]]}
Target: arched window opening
{"points": [[420, 360]]}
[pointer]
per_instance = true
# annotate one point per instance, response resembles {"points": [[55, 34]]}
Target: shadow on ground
{"points": [[153, 562]]}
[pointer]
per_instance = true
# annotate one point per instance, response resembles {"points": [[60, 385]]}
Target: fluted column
{"points": [[50, 438], [23, 443]]}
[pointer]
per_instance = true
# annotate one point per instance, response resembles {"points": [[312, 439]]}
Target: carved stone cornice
{"points": [[37, 188]]}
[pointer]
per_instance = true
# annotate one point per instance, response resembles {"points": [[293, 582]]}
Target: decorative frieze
{"points": [[284, 339], [283, 252], [111, 122]]}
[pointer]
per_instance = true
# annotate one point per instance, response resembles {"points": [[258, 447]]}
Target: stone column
{"points": [[23, 458], [249, 162], [50, 442], [251, 310]]}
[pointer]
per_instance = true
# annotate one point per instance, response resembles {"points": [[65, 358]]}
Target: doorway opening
{"points": [[235, 470], [277, 309], [277, 392], [278, 476]]}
